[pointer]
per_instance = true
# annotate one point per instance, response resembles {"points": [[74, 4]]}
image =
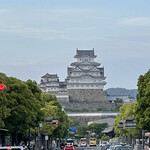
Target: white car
{"points": [[104, 143], [12, 148]]}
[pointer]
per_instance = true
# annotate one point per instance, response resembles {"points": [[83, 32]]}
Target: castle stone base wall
{"points": [[86, 95], [88, 105], [86, 119], [63, 99]]}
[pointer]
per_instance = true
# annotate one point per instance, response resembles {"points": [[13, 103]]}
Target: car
{"points": [[12, 148], [121, 147], [83, 142], [69, 147], [111, 147], [104, 143]]}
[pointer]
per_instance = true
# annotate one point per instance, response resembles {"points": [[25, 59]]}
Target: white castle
{"points": [[84, 82]]}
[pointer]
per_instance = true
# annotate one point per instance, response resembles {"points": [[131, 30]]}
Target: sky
{"points": [[41, 36]]}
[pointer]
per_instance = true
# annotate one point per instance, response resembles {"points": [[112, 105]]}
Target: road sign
{"points": [[46, 137], [72, 130]]}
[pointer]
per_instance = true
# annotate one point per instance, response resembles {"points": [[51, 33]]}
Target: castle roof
{"points": [[62, 84], [50, 76], [81, 53], [85, 63]]}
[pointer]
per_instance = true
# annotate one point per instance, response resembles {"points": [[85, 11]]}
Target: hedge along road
{"points": [[92, 114]]}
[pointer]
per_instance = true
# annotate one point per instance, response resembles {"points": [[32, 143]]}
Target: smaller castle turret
{"points": [[50, 84]]}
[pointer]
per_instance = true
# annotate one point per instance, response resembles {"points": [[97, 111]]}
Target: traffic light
{"points": [[2, 87], [123, 122], [55, 122]]}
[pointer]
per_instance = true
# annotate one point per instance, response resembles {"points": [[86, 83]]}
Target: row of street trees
{"points": [[87, 131], [24, 106], [139, 110]]}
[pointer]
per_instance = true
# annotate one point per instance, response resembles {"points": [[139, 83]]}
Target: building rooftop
{"points": [[85, 63], [50, 76], [81, 53]]}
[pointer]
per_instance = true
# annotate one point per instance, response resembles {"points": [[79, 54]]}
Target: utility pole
{"points": [[29, 138], [39, 136]]}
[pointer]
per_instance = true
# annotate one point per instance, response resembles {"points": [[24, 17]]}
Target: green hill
{"points": [[122, 91]]}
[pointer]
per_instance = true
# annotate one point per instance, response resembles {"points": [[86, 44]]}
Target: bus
{"points": [[83, 142], [92, 141]]}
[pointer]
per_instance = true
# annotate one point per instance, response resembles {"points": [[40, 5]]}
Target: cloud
{"points": [[138, 21]]}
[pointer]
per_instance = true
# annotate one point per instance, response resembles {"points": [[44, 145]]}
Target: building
{"points": [[124, 98], [50, 84], [85, 80]]}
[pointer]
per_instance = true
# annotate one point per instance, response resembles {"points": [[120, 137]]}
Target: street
{"points": [[86, 148]]}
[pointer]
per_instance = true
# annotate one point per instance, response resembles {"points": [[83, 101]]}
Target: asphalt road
{"points": [[86, 148]]}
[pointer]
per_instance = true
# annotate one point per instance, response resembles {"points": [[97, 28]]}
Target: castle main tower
{"points": [[85, 80]]}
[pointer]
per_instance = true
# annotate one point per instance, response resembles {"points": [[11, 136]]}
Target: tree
{"points": [[4, 110], [125, 111], [105, 138], [52, 108], [143, 102], [82, 130], [20, 105], [119, 100], [97, 128]]}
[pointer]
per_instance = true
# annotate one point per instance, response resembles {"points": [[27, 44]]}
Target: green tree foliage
{"points": [[143, 102], [119, 100], [21, 105], [105, 138], [86, 130], [4, 110], [125, 111], [52, 108], [97, 128], [82, 130]]}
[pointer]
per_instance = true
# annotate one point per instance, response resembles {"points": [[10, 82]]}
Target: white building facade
{"points": [[50, 84], [85, 73], [85, 80]]}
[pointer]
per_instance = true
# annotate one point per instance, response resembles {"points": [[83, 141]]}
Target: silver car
{"points": [[119, 147]]}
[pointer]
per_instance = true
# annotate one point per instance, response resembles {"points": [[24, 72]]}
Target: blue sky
{"points": [[41, 36]]}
